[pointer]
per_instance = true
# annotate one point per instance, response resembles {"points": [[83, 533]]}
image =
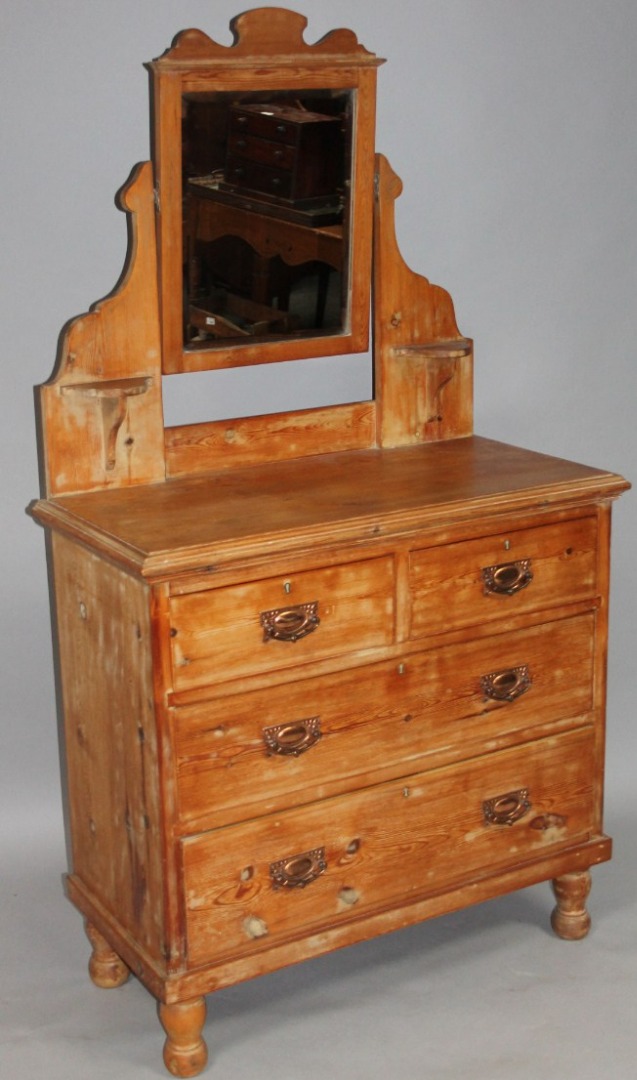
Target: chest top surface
{"points": [[330, 498]]}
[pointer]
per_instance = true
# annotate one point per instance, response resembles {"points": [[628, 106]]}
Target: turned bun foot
{"points": [[105, 967], [570, 919], [185, 1052]]}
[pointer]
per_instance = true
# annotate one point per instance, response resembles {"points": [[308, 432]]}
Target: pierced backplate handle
{"points": [[293, 739], [290, 623], [507, 578], [505, 809], [297, 871], [508, 684]]}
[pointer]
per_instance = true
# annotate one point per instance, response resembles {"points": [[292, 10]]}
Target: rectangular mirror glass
{"points": [[266, 215]]}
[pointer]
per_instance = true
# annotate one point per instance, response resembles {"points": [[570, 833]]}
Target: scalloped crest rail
{"points": [[266, 33]]}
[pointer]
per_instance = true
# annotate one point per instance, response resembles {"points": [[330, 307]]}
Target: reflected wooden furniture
{"points": [[289, 154], [226, 315], [270, 234], [323, 674], [211, 215]]}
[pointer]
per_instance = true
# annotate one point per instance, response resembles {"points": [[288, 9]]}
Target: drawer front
{"points": [[270, 879], [257, 177], [251, 629], [264, 124], [277, 155], [254, 753], [494, 577]]}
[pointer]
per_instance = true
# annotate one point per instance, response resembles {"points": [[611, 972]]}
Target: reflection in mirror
{"points": [[266, 180]]}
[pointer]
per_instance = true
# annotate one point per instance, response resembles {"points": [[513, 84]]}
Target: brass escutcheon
{"points": [[505, 579], [508, 684], [508, 808], [297, 871], [292, 739], [290, 623]]}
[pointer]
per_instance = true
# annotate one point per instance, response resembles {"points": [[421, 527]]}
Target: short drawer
{"points": [[278, 623], [501, 575], [304, 870], [253, 753], [278, 155]]}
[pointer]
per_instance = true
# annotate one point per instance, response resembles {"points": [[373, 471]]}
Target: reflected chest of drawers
{"points": [[285, 152], [296, 720]]}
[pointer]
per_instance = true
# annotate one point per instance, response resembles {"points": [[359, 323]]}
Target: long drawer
{"points": [[301, 870], [277, 623], [257, 752], [496, 576]]}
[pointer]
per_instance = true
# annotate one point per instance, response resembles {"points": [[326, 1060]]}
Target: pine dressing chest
{"points": [[324, 673]]}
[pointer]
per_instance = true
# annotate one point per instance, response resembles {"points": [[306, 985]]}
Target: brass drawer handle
{"points": [[293, 739], [297, 871], [507, 578], [507, 685], [505, 809], [290, 623]]}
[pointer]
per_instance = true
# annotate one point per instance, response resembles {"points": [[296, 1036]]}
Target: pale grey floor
{"points": [[487, 994]]}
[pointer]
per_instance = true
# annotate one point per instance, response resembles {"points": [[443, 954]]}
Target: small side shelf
{"points": [[113, 395], [115, 388], [452, 349]]}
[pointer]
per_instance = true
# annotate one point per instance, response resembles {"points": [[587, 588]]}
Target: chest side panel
{"points": [[103, 625]]}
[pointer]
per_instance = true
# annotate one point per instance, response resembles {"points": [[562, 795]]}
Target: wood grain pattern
{"points": [[218, 634], [389, 842], [386, 720], [601, 655], [449, 589], [266, 32], [106, 968], [289, 506], [185, 1051], [423, 365], [105, 394], [201, 854], [570, 919], [184, 985], [111, 751], [227, 444]]}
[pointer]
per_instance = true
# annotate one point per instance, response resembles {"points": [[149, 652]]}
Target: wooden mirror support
{"points": [[265, 149], [293, 647]]}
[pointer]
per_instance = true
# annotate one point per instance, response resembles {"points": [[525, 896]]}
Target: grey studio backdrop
{"points": [[514, 128]]}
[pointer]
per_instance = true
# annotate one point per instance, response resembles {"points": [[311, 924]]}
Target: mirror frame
{"points": [[268, 53]]}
